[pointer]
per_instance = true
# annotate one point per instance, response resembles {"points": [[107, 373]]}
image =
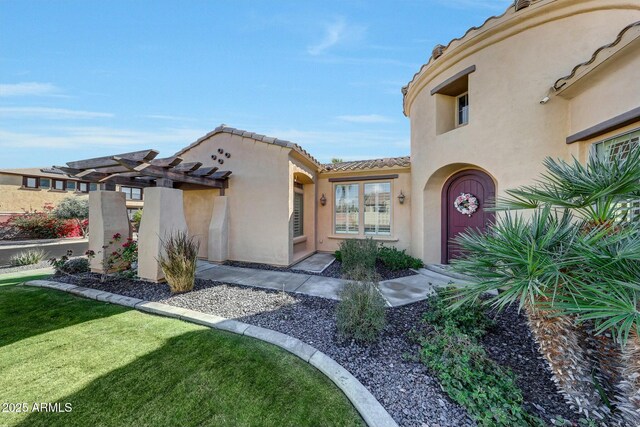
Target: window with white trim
{"points": [[132, 193], [347, 209], [377, 208], [620, 147], [462, 109]]}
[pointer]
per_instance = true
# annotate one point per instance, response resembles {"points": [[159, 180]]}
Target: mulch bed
{"points": [[334, 270], [387, 368]]}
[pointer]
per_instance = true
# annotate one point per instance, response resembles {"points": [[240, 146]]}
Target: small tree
{"points": [[76, 209], [336, 160]]}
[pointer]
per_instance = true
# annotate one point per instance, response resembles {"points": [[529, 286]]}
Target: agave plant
{"points": [[573, 265]]}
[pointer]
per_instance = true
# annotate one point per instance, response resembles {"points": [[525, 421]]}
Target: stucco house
{"points": [[552, 78]]}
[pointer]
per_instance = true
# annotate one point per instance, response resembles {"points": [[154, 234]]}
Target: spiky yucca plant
{"points": [[178, 261], [573, 265]]}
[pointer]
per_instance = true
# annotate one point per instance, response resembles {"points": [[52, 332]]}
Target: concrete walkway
{"points": [[316, 263], [396, 292]]}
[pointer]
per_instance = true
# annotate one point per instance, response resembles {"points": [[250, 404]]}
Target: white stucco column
{"points": [[218, 250], [162, 215], [107, 217]]}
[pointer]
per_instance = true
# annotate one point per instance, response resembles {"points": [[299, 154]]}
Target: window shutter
{"points": [[298, 214]]}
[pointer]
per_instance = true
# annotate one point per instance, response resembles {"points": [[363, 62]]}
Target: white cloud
{"points": [[51, 113], [28, 89], [168, 117], [337, 32], [365, 118], [91, 137]]}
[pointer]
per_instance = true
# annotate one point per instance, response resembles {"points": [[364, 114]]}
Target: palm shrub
{"points": [[178, 261], [572, 264]]}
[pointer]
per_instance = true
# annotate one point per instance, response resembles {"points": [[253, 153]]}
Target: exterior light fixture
{"points": [[401, 197], [323, 200]]}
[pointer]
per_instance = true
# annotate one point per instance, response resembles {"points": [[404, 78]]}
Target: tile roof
{"points": [[564, 80], [48, 172], [389, 162], [255, 136]]}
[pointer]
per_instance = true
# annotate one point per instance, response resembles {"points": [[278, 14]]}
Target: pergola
{"points": [[163, 214], [142, 169]]}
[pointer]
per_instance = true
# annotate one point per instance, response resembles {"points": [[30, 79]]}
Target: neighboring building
{"points": [[31, 189], [552, 78]]}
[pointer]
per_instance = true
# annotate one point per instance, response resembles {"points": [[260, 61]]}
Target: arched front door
{"points": [[475, 183]]}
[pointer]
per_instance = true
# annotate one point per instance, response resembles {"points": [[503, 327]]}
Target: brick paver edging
{"points": [[369, 408]]}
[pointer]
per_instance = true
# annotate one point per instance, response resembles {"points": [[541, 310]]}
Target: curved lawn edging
{"points": [[372, 412]]}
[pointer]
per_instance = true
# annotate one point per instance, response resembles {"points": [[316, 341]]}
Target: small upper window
{"points": [[58, 185], [463, 109], [132, 193], [83, 187], [30, 182]]}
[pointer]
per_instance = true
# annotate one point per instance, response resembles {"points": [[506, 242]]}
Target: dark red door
{"points": [[470, 182]]}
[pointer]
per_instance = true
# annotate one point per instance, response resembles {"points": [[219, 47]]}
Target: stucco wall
{"points": [[615, 81], [509, 131], [259, 204], [328, 241]]}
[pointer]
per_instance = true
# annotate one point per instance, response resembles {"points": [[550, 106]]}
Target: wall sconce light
{"points": [[323, 200], [401, 197]]}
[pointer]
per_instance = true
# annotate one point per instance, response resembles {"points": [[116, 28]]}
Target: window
{"points": [[620, 147], [58, 185], [462, 109], [93, 186], [71, 185], [30, 182], [377, 208], [347, 209], [83, 187], [298, 214], [45, 183], [132, 193]]}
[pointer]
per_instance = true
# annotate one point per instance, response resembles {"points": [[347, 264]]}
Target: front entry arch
{"points": [[476, 183]]}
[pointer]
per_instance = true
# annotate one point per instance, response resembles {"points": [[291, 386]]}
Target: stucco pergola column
{"points": [[107, 217], [163, 214], [218, 250]]}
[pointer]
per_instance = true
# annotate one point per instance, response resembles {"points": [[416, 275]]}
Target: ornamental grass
{"points": [[178, 261]]}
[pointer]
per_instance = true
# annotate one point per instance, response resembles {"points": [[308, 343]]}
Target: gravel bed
{"points": [[334, 270], [387, 368], [42, 264]]}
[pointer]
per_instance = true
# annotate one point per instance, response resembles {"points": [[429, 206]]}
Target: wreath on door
{"points": [[466, 204]]}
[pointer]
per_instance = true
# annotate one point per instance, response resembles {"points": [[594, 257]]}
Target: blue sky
{"points": [[89, 78]]}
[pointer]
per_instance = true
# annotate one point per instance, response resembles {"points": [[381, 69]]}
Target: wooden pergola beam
{"points": [[187, 167], [161, 173], [168, 162], [107, 161]]}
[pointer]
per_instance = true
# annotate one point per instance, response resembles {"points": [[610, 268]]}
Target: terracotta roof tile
{"points": [[389, 162]]}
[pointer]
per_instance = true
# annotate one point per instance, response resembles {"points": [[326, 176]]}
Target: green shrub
{"points": [[178, 261], [470, 319], [28, 257], [358, 255], [338, 255], [137, 218], [395, 259], [75, 209], [361, 312], [451, 350], [76, 266]]}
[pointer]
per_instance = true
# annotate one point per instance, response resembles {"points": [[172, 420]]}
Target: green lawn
{"points": [[119, 367]]}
